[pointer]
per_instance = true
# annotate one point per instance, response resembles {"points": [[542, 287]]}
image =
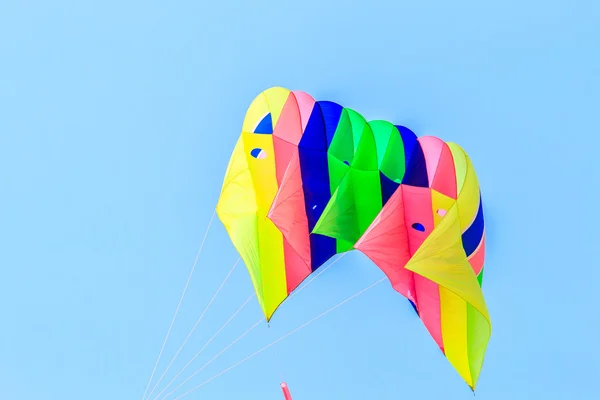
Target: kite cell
{"points": [[311, 179]]}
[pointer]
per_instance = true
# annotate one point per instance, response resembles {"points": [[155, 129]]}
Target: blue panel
{"points": [[314, 135], [413, 306], [265, 126], [315, 180], [331, 115], [322, 248], [409, 139], [416, 172], [473, 235], [388, 187], [314, 167]]}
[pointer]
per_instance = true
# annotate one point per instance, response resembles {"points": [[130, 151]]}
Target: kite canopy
{"points": [[310, 179]]}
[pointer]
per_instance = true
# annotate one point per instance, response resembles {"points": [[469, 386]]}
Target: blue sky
{"points": [[117, 120]]}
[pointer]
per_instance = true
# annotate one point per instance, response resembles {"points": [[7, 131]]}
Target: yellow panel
{"points": [[272, 265], [453, 314], [276, 98], [468, 194], [440, 202], [460, 164], [237, 211], [249, 189], [237, 199], [256, 112], [262, 170], [442, 259]]}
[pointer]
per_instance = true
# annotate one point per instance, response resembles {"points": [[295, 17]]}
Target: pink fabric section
{"points": [[289, 124], [432, 149], [284, 152], [286, 136], [418, 209], [289, 215], [385, 242], [286, 391], [428, 295], [445, 176], [287, 210], [477, 258], [306, 104], [296, 269]]}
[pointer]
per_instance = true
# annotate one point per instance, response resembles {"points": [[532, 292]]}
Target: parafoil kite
{"points": [[310, 179]]}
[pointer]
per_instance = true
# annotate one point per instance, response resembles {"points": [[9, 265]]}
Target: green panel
{"points": [[337, 172], [339, 219], [367, 194], [478, 334], [393, 164], [382, 131], [366, 153], [358, 123]]}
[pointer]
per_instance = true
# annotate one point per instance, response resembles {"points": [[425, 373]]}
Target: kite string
{"points": [[213, 359], [281, 338], [179, 373], [206, 345], [179, 304], [195, 326]]}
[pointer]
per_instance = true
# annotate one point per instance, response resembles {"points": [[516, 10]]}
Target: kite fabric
{"points": [[286, 391], [311, 179]]}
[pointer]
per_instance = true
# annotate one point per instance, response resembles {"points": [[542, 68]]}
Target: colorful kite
{"points": [[310, 179]]}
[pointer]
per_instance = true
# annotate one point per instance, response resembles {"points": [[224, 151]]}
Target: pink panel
{"points": [[418, 210], [289, 124], [477, 258], [432, 149], [306, 104], [385, 242], [287, 210], [289, 215], [296, 269], [284, 151], [428, 296], [445, 176]]}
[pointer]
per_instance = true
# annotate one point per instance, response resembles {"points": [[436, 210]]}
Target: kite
{"points": [[311, 179]]}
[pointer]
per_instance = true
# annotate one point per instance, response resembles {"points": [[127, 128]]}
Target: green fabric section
{"points": [[357, 199], [478, 334], [352, 208], [343, 246], [339, 219], [356, 189], [480, 278], [358, 124], [381, 133], [337, 172], [393, 164], [340, 155], [366, 152], [342, 144], [341, 151], [367, 195]]}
